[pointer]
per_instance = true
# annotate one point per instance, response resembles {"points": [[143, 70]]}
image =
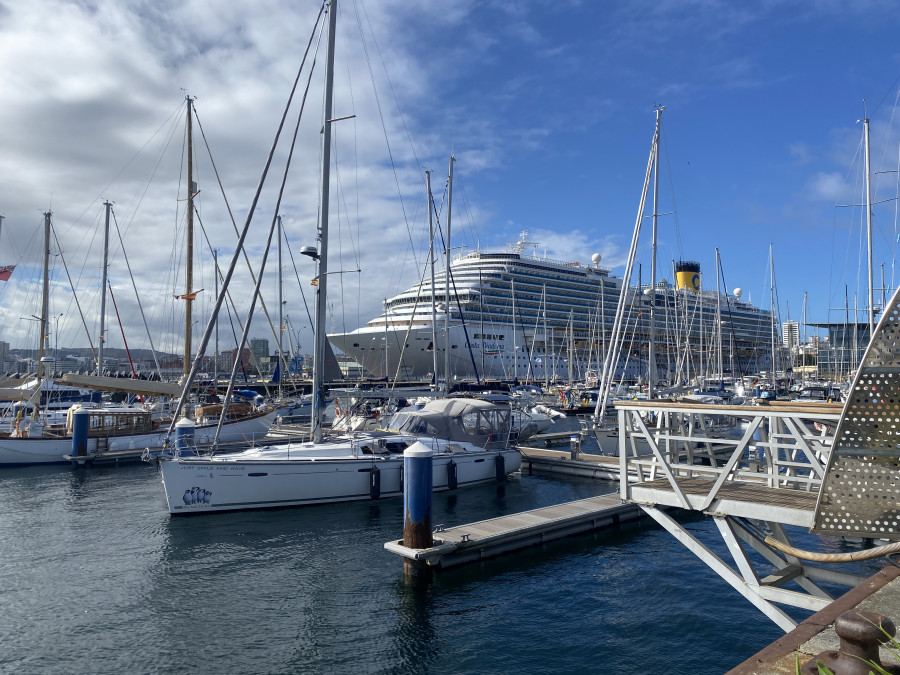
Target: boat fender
{"points": [[375, 482], [452, 481], [500, 467]]}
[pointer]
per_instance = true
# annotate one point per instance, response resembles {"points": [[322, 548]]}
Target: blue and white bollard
{"points": [[81, 421], [417, 499], [184, 437]]}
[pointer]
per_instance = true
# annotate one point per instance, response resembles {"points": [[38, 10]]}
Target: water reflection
{"points": [[417, 644]]}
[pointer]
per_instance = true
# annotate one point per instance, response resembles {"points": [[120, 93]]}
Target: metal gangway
{"points": [[754, 469]]}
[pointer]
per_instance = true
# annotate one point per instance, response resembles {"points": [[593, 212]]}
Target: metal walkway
{"points": [[740, 465]]}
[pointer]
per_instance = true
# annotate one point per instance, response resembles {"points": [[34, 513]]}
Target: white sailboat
{"points": [[113, 431], [469, 438]]}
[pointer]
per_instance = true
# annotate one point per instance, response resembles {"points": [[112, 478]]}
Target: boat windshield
{"points": [[476, 423], [412, 424]]}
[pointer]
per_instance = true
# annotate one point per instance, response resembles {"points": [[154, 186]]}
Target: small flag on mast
{"points": [[6, 272], [187, 296]]}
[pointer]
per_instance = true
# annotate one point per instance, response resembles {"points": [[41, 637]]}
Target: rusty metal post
{"points": [[417, 500]]}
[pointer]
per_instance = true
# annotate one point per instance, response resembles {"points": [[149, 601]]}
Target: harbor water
{"points": [[95, 576]]}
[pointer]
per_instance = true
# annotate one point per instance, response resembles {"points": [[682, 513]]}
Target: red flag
{"points": [[6, 272]]}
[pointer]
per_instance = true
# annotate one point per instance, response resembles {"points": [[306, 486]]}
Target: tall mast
{"points": [[215, 253], [45, 310], [481, 314], [447, 293], [602, 321], [651, 349], [719, 317], [387, 368], [318, 384], [774, 318], [280, 317], [434, 352], [546, 362], [869, 231], [512, 285], [189, 257], [103, 292]]}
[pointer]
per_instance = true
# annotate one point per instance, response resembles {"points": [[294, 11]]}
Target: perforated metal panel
{"points": [[860, 495]]}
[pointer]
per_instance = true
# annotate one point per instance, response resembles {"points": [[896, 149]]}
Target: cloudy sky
{"points": [[548, 107]]}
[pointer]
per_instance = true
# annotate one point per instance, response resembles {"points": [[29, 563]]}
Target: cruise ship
{"points": [[515, 316]]}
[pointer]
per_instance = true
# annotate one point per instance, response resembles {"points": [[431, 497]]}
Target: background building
{"points": [[790, 334]]}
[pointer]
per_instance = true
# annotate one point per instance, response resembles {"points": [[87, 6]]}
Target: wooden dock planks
{"points": [[735, 498], [487, 538]]}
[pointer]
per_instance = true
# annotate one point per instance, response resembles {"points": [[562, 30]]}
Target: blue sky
{"points": [[547, 106]]}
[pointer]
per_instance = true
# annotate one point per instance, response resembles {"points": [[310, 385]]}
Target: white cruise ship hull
{"points": [[198, 485], [499, 359]]}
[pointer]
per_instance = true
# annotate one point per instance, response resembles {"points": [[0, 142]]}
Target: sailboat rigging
{"points": [[469, 438]]}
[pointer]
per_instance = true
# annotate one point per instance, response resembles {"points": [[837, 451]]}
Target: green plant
{"points": [[892, 645], [823, 670]]}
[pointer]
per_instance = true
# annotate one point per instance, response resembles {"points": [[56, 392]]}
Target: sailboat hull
{"points": [[195, 486], [32, 451]]}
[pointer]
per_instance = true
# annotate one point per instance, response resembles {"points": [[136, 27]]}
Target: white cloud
{"points": [[829, 187]]}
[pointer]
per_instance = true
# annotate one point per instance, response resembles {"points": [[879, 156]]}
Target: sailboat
{"points": [[122, 433], [469, 439]]}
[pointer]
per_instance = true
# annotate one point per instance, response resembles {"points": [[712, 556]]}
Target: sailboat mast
{"points": [[280, 318], [512, 286], [447, 286], [719, 319], [869, 233], [215, 253], [45, 310], [103, 292], [651, 349], [774, 318], [318, 384], [189, 256], [546, 338], [434, 350]]}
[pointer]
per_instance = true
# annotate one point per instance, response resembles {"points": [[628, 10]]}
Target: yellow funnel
{"points": [[687, 275]]}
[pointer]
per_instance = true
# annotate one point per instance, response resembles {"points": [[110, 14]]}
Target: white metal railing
{"points": [[783, 446]]}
